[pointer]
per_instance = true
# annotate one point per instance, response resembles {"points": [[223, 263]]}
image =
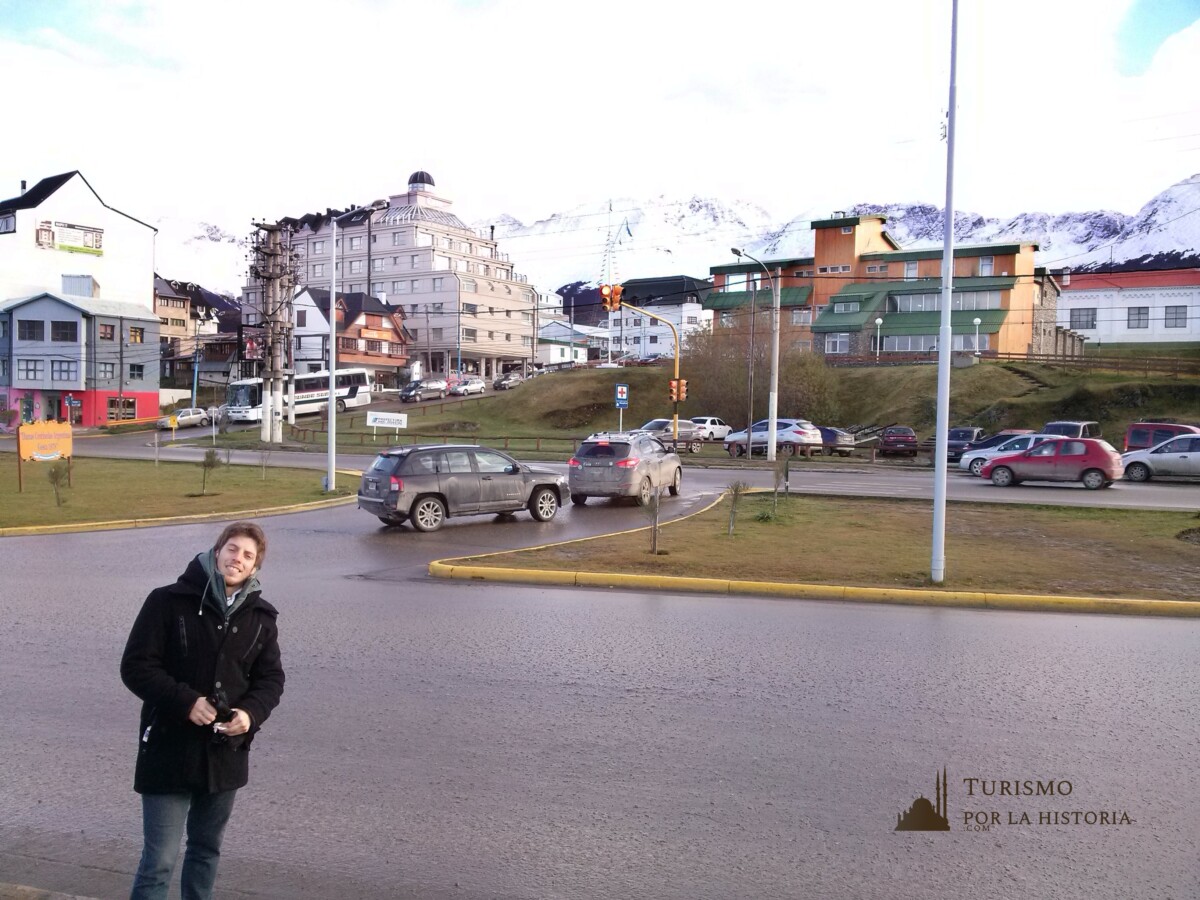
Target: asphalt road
{"points": [[459, 740]]}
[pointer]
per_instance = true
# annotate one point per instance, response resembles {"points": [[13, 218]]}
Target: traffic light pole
{"points": [[675, 337]]}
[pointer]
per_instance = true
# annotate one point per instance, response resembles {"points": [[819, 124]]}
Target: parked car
{"points": [[425, 484], [423, 390], [836, 441], [959, 439], [790, 435], [973, 460], [623, 464], [1144, 435], [1000, 437], [1177, 456], [507, 381], [664, 430], [898, 439], [186, 418], [711, 428], [1073, 429], [1094, 462], [468, 386]]}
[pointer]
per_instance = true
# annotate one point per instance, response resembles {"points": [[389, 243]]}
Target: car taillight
{"points": [[396, 485], [629, 462], [574, 463]]}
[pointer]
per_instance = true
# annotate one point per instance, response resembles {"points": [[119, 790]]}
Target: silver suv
{"points": [[624, 464], [425, 484]]}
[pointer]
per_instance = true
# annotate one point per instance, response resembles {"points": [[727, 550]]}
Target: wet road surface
{"points": [[457, 740]]}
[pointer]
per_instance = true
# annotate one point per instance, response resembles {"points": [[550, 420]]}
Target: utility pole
{"points": [[273, 270]]}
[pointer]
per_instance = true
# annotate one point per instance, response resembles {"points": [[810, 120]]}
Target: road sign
{"points": [[622, 396], [387, 420]]}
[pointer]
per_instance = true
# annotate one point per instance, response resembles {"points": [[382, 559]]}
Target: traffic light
{"points": [[617, 291], [674, 390], [606, 297], [682, 389]]}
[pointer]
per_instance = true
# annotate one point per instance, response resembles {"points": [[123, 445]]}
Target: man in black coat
{"points": [[203, 656]]}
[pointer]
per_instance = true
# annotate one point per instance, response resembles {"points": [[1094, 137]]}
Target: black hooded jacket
{"points": [[182, 648]]}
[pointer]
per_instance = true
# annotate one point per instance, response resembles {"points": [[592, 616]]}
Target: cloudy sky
{"points": [[229, 111]]}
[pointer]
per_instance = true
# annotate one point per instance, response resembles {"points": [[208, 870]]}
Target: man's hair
{"points": [[244, 529]]}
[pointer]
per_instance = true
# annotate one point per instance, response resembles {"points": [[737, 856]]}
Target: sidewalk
{"points": [[18, 892]]}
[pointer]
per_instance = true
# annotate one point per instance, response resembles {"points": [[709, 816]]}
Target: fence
{"points": [[1172, 366]]}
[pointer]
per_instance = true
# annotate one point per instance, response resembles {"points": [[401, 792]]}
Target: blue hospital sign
{"points": [[622, 396]]}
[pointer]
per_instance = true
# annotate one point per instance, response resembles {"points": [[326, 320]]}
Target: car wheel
{"points": [[695, 446], [736, 450], [843, 453], [675, 483], [442, 395], [645, 492], [579, 499], [1137, 472], [428, 514], [204, 423], [1093, 479], [1002, 477], [341, 406], [975, 467], [543, 504], [787, 449]]}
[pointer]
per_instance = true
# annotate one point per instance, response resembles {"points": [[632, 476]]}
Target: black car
{"points": [[959, 440], [994, 440], [425, 484], [507, 381], [423, 390]]}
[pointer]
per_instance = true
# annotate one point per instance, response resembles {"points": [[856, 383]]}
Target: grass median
{"points": [[104, 490], [866, 542]]}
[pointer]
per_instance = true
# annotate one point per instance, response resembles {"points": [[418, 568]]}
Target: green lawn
{"points": [[105, 490]]}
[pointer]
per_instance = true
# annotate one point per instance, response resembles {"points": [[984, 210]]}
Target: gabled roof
{"points": [[959, 252], [90, 306], [788, 262], [355, 303], [789, 296], [36, 195], [164, 288], [202, 296]]}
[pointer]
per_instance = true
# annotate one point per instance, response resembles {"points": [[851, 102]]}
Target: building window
{"points": [[987, 265], [415, 285], [64, 332], [397, 238], [375, 346], [802, 315], [822, 270], [436, 334], [470, 309], [64, 370], [345, 343], [1138, 317], [318, 247], [356, 243], [847, 306], [301, 318], [318, 270], [108, 332], [31, 330], [437, 307], [653, 339], [400, 287], [1083, 319], [414, 261], [416, 333], [137, 372], [468, 285], [30, 369], [178, 323], [376, 264], [137, 335], [508, 337], [437, 283], [691, 320], [470, 334], [356, 266], [910, 270], [1176, 317], [837, 343], [107, 370], [802, 346], [122, 408]]}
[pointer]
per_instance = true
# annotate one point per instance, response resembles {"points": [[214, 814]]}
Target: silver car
{"points": [[425, 484], [185, 418], [468, 386], [1178, 457], [973, 460], [690, 436], [625, 464]]}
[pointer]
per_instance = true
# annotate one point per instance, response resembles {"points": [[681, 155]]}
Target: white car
{"points": [[973, 460], [712, 428], [468, 386], [790, 436], [185, 418], [1180, 456]]}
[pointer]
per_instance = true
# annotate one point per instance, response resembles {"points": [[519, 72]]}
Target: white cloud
{"points": [[255, 110]]}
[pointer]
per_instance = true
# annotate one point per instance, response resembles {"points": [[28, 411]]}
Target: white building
{"points": [[1157, 309], [678, 299]]}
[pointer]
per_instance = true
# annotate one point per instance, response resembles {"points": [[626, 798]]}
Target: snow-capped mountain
{"points": [[640, 238]]}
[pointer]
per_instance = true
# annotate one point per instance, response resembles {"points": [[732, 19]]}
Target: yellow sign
{"points": [[174, 421], [44, 440], [374, 334]]}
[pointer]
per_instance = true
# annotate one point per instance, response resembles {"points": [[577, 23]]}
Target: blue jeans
{"points": [[163, 819]]}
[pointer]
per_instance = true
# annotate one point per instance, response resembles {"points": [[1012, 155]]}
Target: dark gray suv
{"points": [[425, 484]]}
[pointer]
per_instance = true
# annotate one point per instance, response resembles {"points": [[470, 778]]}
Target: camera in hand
{"points": [[220, 703]]}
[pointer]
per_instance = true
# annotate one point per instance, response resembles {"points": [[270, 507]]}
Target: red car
{"points": [[1090, 460], [898, 439]]}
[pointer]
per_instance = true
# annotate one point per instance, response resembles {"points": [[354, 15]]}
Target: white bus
{"points": [[354, 387]]}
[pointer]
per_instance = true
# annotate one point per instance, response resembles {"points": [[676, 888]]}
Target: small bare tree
{"points": [[781, 478], [651, 509], [207, 464], [736, 490], [264, 455], [58, 474]]}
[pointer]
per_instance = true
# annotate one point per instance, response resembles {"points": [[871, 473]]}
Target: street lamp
{"points": [[773, 396], [978, 322], [878, 340], [334, 279]]}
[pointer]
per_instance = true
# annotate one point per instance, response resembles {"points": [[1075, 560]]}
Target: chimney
{"points": [[493, 232], [22, 185]]}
